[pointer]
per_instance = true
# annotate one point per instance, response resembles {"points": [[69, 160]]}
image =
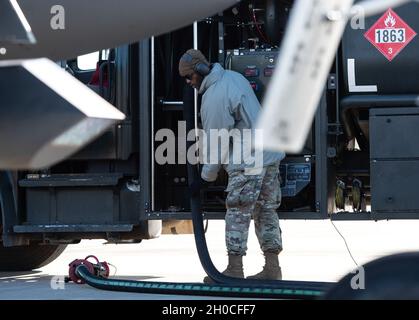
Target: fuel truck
{"points": [[360, 160]]}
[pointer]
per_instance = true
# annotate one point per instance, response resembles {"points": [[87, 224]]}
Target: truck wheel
{"points": [[24, 258]]}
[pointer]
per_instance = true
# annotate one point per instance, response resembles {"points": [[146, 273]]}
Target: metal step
{"points": [[44, 228], [70, 180]]}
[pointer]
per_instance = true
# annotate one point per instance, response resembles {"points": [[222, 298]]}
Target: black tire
{"points": [[25, 258]]}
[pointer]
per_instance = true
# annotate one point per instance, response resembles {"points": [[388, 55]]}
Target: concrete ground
{"points": [[313, 251]]}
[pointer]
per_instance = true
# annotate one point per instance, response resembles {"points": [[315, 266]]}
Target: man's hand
{"points": [[196, 186]]}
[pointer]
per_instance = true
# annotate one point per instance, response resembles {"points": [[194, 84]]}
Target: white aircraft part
{"points": [[306, 56], [94, 115], [23, 21], [64, 84]]}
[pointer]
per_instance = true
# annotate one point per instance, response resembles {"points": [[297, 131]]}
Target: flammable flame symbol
{"points": [[390, 22]]}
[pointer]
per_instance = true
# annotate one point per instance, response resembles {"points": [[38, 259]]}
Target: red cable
{"points": [[257, 27]]}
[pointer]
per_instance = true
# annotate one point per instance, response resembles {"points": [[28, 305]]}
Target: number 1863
{"points": [[390, 35]]}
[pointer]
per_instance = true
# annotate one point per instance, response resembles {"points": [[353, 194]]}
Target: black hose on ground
{"points": [[190, 289]]}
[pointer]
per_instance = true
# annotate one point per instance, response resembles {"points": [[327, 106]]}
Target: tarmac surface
{"points": [[313, 251]]}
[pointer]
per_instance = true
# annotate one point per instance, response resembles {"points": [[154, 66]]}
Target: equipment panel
{"points": [[256, 65], [294, 177]]}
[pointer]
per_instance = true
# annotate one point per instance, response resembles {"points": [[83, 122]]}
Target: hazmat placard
{"points": [[390, 34]]}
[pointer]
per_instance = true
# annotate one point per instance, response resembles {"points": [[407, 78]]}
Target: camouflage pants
{"points": [[256, 196]]}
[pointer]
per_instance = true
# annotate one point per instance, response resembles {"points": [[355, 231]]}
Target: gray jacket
{"points": [[228, 102]]}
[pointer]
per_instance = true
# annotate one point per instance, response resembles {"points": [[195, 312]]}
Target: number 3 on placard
{"points": [[390, 50]]}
